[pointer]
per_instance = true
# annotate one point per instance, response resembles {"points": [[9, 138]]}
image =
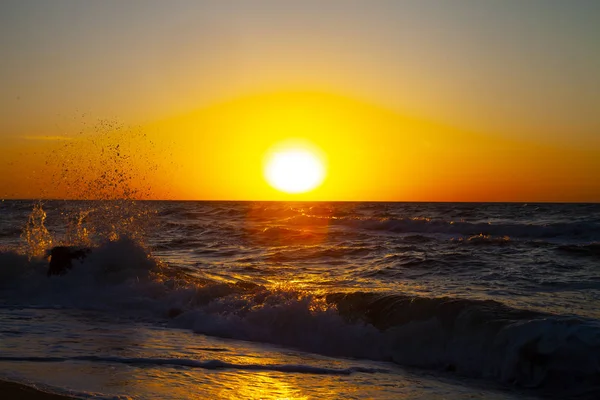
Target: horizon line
{"points": [[315, 201]]}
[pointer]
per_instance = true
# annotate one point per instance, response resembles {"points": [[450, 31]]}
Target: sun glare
{"points": [[294, 170]]}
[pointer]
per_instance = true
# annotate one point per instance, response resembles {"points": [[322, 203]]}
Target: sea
{"points": [[314, 300]]}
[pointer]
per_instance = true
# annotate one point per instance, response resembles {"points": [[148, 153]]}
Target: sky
{"points": [[417, 100]]}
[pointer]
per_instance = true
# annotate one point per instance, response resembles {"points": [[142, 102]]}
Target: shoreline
{"points": [[13, 390]]}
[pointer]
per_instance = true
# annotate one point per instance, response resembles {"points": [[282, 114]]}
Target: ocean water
{"points": [[182, 300]]}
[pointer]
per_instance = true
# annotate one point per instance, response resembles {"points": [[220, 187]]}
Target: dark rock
{"points": [[174, 312], [61, 258]]}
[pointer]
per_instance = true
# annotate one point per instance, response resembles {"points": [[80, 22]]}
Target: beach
{"points": [[12, 390]]}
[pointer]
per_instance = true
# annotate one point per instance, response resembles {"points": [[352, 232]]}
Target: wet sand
{"points": [[11, 390]]}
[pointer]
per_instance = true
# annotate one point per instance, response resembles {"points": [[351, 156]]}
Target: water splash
{"points": [[36, 235], [78, 232], [107, 169], [100, 221], [110, 162]]}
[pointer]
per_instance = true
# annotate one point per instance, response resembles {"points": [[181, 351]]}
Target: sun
{"points": [[294, 170]]}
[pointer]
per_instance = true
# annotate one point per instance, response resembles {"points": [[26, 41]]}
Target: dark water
{"points": [[534, 256], [505, 294]]}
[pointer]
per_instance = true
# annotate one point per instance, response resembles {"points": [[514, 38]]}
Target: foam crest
{"points": [[284, 318], [207, 364], [114, 275]]}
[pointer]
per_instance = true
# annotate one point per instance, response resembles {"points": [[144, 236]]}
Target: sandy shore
{"points": [[11, 390]]}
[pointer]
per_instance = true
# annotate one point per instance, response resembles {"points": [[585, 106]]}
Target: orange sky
{"points": [[372, 153], [405, 100]]}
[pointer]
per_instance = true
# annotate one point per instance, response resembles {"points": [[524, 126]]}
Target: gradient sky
{"points": [[438, 86]]}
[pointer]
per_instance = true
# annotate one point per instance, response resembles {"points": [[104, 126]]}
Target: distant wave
{"points": [[579, 230], [591, 249]]}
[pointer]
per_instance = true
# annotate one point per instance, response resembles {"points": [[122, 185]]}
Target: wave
{"points": [[482, 338], [591, 249], [482, 239], [208, 364], [476, 338], [580, 230], [324, 254]]}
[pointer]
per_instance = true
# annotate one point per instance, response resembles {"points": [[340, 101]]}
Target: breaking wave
{"points": [[484, 339]]}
